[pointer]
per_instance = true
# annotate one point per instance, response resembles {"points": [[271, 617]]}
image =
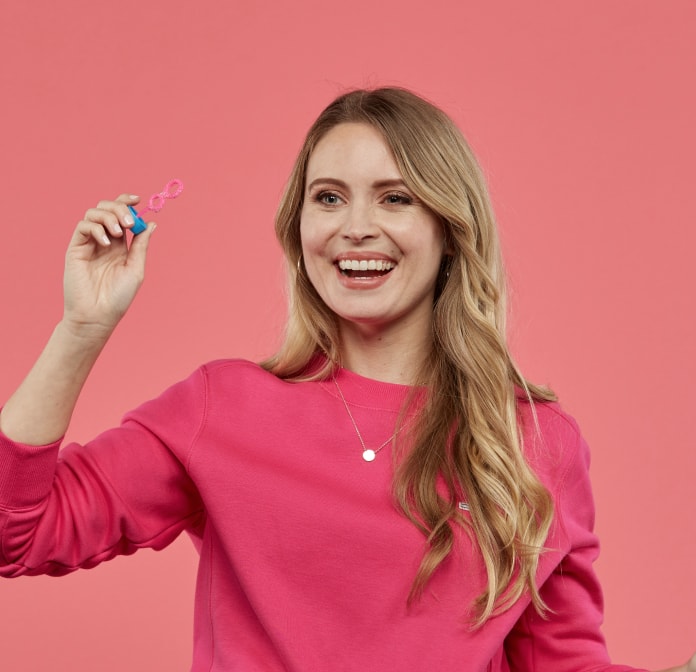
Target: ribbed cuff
{"points": [[26, 473]]}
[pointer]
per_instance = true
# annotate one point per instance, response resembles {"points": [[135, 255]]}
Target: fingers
{"points": [[90, 231], [128, 199], [109, 219]]}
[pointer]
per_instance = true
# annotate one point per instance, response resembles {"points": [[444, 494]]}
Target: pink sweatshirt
{"points": [[305, 563]]}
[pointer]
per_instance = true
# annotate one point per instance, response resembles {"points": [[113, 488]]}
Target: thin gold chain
{"points": [[368, 453]]}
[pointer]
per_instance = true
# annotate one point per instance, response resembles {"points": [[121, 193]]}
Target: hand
{"points": [[102, 277], [102, 273]]}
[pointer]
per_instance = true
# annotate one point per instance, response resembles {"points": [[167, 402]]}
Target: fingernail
{"points": [[128, 219], [106, 240], [134, 196]]}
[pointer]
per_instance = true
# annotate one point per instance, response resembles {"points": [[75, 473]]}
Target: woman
{"points": [[469, 547]]}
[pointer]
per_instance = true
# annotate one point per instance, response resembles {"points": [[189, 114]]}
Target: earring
{"points": [[446, 265]]}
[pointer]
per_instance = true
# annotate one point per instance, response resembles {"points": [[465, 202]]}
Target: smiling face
{"points": [[371, 249]]}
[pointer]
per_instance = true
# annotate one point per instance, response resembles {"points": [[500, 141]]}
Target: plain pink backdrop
{"points": [[582, 114]]}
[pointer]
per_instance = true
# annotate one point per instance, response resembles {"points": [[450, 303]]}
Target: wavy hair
{"points": [[467, 432]]}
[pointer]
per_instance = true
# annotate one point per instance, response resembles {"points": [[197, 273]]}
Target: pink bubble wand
{"points": [[172, 189]]}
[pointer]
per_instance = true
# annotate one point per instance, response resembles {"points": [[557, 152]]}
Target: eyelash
{"points": [[319, 198], [402, 199]]}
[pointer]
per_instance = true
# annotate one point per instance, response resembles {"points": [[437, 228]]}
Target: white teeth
{"points": [[365, 265]]}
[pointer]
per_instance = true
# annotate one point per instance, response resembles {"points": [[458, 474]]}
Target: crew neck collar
{"points": [[362, 391]]}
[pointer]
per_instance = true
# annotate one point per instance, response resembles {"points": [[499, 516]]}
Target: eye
{"points": [[397, 198], [328, 198]]}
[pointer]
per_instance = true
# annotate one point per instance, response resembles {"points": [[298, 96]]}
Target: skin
{"points": [[689, 667], [390, 322], [357, 206], [102, 276]]}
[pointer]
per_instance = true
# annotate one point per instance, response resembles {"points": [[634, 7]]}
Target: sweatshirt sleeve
{"points": [[127, 489], [568, 638]]}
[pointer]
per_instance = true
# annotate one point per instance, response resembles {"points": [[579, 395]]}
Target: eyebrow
{"points": [[379, 184]]}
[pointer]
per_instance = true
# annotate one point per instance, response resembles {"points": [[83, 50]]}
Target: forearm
{"points": [[39, 411]]}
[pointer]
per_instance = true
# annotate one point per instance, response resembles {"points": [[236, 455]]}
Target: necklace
{"points": [[368, 453]]}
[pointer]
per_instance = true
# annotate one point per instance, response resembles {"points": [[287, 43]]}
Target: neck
{"points": [[388, 355]]}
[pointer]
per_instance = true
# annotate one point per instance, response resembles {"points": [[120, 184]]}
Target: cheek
{"points": [[434, 244], [314, 241], [308, 236], [311, 249]]}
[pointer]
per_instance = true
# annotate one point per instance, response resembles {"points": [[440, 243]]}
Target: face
{"points": [[371, 249]]}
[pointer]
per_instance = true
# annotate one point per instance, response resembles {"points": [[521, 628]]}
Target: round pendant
{"points": [[369, 455]]}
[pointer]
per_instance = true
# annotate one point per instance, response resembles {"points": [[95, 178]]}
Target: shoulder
{"points": [[250, 389], [546, 421], [222, 379], [552, 442], [224, 368], [238, 374]]}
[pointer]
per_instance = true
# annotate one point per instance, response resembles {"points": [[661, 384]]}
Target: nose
{"points": [[360, 223]]}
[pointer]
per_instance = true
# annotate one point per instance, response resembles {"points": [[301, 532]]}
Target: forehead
{"points": [[352, 151]]}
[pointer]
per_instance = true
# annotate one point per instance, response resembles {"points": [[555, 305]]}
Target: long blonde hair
{"points": [[467, 434]]}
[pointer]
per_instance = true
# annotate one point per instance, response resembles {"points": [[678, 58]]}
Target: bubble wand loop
{"points": [[171, 190]]}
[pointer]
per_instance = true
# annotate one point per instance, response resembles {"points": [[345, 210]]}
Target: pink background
{"points": [[582, 114]]}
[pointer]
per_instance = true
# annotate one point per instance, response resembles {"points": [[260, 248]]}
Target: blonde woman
{"points": [[436, 509]]}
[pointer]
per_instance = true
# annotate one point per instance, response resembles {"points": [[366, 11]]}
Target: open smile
{"points": [[365, 268]]}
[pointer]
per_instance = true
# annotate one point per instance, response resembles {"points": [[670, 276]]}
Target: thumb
{"points": [[137, 252]]}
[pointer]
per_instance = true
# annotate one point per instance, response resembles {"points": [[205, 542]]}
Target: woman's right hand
{"points": [[102, 276], [102, 272]]}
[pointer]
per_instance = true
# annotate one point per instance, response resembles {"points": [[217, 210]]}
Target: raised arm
{"points": [[102, 276]]}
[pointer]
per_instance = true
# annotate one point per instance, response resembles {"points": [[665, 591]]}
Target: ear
{"points": [[447, 247]]}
